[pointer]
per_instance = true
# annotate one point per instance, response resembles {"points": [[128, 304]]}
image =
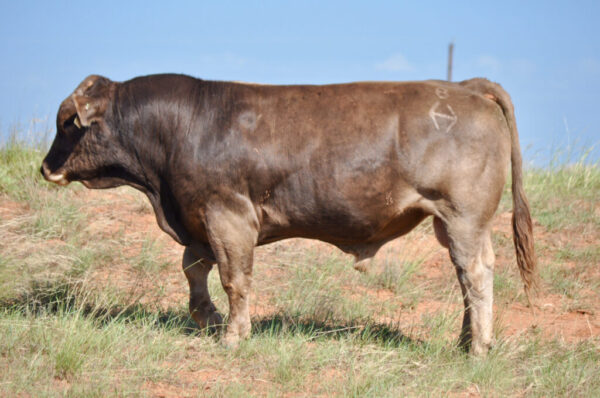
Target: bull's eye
{"points": [[71, 128], [71, 122]]}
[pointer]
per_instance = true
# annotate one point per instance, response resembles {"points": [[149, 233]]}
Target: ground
{"points": [[571, 318], [94, 303]]}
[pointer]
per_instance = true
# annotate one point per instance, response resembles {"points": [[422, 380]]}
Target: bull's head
{"points": [[84, 147]]}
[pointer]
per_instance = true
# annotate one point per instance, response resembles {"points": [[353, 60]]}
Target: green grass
{"points": [[561, 280], [507, 285], [69, 353], [316, 290], [395, 277], [66, 352], [563, 195], [149, 260], [583, 256], [79, 311]]}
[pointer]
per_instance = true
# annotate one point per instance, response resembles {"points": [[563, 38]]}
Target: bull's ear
{"points": [[89, 109], [91, 100]]}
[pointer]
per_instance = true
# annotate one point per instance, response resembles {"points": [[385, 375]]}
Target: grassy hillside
{"points": [[93, 303]]}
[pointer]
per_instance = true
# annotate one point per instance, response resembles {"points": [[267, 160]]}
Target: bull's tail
{"points": [[521, 219]]}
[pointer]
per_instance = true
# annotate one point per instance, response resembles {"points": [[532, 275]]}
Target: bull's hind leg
{"points": [[232, 235], [197, 264], [472, 255]]}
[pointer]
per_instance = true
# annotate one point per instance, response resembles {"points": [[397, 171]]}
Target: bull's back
{"points": [[365, 125]]}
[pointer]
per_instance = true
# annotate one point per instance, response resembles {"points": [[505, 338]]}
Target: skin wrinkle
{"points": [[229, 166]]}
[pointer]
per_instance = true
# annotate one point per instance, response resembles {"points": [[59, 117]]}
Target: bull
{"points": [[228, 166]]}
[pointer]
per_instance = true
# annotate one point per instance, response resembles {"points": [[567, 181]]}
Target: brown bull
{"points": [[229, 166]]}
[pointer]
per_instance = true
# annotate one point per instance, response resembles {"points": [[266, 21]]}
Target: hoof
{"points": [[230, 341], [213, 321], [480, 350]]}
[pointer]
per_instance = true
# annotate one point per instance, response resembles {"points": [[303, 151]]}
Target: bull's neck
{"points": [[149, 152], [147, 144]]}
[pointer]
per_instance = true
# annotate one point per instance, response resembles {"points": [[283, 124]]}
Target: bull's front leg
{"points": [[232, 235], [197, 263]]}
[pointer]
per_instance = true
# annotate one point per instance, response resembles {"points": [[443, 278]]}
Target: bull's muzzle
{"points": [[57, 178]]}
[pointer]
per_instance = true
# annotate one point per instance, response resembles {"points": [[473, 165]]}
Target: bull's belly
{"points": [[346, 231]]}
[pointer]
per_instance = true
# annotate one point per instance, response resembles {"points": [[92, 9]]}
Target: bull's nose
{"points": [[57, 178]]}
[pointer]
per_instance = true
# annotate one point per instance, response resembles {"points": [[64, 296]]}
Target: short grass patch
{"points": [[66, 352], [565, 196]]}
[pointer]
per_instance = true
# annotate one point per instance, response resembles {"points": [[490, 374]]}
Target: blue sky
{"points": [[546, 54]]}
